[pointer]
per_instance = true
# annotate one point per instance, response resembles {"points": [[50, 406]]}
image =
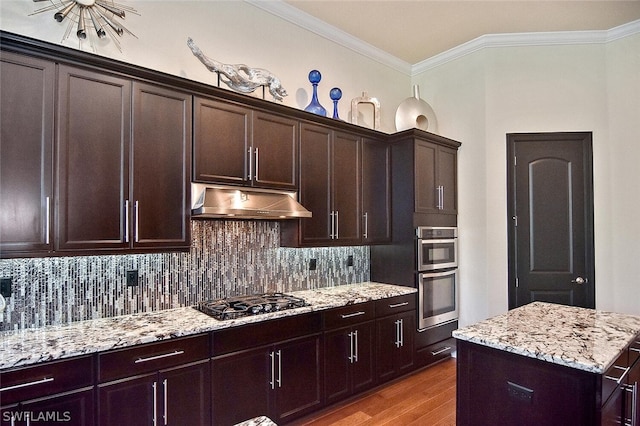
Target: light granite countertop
{"points": [[25, 347], [580, 338]]}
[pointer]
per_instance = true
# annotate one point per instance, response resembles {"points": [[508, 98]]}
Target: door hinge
{"points": [[517, 282], [515, 161], [515, 220]]}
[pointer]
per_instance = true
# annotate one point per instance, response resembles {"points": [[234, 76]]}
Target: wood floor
{"points": [[426, 398]]}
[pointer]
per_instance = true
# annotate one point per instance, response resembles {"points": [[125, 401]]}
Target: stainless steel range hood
{"points": [[244, 203]]}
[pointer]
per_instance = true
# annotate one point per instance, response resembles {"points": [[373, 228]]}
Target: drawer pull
{"points": [[397, 305], [24, 385], [441, 351], [634, 349], [619, 380], [153, 358], [355, 314]]}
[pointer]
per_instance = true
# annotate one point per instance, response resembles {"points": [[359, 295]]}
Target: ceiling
{"points": [[416, 30]]}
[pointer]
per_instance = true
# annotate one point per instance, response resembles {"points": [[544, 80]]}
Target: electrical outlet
{"points": [[132, 278], [313, 264], [350, 260], [5, 286]]}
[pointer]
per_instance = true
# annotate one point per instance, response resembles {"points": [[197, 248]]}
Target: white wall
{"points": [[483, 96], [477, 98], [231, 32]]}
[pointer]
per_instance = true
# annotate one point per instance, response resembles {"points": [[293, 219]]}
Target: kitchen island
{"points": [[548, 364]]}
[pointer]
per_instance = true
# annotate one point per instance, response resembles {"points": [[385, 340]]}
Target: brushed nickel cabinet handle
{"points": [[126, 221], [255, 175], [397, 305], [155, 403], [443, 350], [137, 223], [47, 227], [366, 225], [153, 358], [620, 379], [355, 314], [24, 385], [165, 388]]}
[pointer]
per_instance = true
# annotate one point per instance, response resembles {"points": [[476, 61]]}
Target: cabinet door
{"points": [[186, 395], [346, 167], [405, 354], [73, 408], [241, 386], [94, 126], [128, 402], [298, 378], [448, 179], [376, 191], [275, 147], [315, 151], [337, 371], [363, 374], [426, 180], [221, 140], [161, 168], [395, 345], [26, 142]]}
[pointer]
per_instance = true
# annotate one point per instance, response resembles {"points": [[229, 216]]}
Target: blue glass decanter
{"points": [[335, 94], [314, 106]]}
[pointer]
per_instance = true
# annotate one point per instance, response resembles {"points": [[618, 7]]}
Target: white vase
{"points": [[413, 112]]}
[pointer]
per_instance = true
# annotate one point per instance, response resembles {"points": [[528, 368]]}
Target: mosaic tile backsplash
{"points": [[227, 258]]}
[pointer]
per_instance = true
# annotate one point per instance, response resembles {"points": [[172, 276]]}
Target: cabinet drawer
{"points": [[265, 333], [152, 357], [436, 352], [347, 315], [45, 379], [395, 304], [611, 377]]}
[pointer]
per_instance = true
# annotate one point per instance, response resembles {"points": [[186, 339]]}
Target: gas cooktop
{"points": [[242, 306]]}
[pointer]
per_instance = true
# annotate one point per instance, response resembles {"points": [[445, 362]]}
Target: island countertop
{"points": [[580, 338], [31, 346]]}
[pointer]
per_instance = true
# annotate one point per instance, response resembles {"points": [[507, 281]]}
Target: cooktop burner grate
{"points": [[242, 306]]}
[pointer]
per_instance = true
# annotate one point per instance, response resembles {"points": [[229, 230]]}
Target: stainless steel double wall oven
{"points": [[437, 265]]}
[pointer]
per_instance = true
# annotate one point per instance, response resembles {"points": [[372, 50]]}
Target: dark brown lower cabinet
{"points": [[349, 360], [497, 387], [71, 408], [46, 393], [162, 383], [281, 381], [179, 395], [395, 345]]}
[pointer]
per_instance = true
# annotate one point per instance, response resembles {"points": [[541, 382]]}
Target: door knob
{"points": [[579, 280]]}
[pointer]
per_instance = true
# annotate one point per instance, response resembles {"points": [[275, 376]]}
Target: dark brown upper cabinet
{"points": [[237, 145], [424, 180], [26, 163], [93, 150], [122, 174], [376, 191], [330, 173], [161, 158]]}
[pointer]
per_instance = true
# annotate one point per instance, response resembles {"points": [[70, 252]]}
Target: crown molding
{"points": [[304, 20], [527, 39]]}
